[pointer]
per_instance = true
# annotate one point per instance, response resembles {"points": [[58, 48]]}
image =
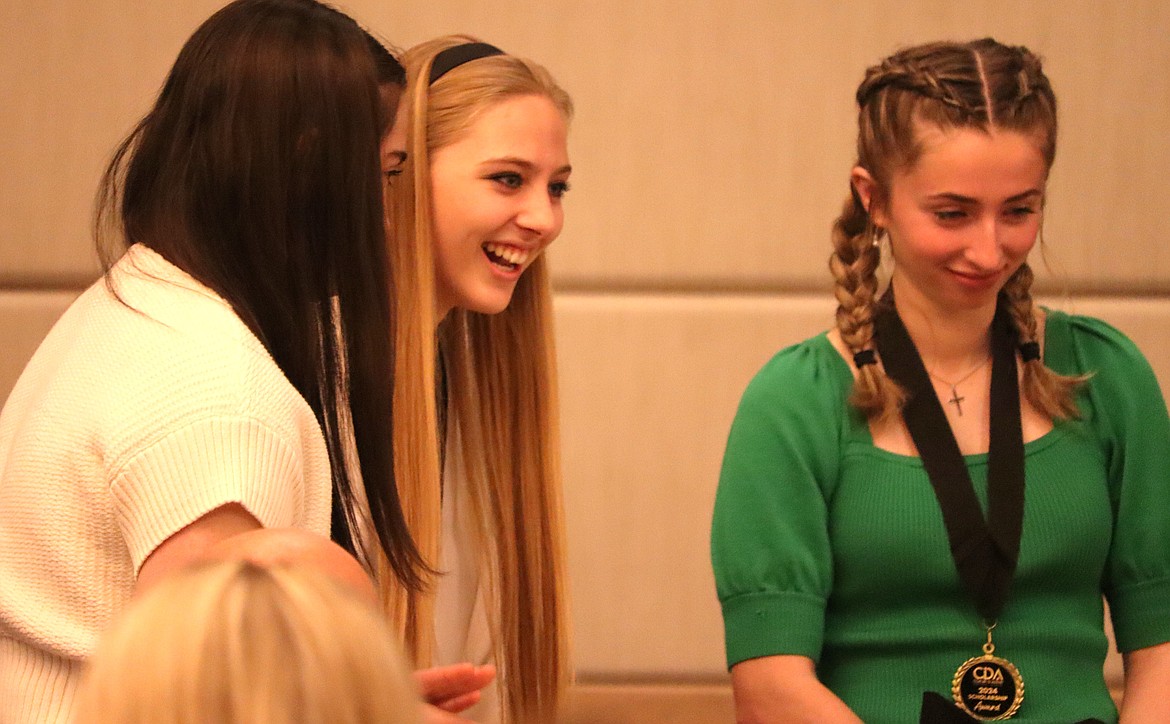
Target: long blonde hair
{"points": [[237, 642], [501, 374], [981, 84]]}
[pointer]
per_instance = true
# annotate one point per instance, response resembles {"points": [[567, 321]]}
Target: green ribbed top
{"points": [[827, 547]]}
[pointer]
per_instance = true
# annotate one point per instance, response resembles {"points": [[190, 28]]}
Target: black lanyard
{"points": [[985, 552]]}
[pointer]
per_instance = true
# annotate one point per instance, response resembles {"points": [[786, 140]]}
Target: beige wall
{"points": [[710, 146]]}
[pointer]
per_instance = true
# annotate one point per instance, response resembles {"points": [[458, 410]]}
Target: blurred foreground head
{"points": [[237, 642]]}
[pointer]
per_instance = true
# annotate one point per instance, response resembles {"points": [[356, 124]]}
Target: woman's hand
{"points": [[448, 690]]}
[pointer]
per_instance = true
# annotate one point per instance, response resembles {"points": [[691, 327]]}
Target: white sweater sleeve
{"points": [[208, 463]]}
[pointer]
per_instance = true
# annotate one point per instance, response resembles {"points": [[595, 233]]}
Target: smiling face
{"points": [[496, 194], [962, 220]]}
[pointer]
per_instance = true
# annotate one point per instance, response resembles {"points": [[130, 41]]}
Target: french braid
{"points": [[1050, 393], [854, 265], [908, 75], [982, 84]]}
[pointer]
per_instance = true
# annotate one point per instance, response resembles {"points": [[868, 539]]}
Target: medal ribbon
{"points": [[985, 552]]}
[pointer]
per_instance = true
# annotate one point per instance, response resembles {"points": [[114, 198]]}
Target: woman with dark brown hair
{"points": [[230, 379]]}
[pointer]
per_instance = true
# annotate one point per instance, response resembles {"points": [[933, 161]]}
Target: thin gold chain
{"points": [[965, 377]]}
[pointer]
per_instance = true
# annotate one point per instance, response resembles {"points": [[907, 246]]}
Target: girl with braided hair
{"points": [[930, 536]]}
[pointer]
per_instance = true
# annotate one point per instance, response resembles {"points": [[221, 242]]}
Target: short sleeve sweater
{"points": [[827, 547], [137, 415]]}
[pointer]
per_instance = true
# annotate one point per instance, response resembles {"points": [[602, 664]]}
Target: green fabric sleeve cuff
{"points": [[773, 623], [1141, 615]]}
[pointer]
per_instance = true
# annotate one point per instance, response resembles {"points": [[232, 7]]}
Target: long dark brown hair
{"points": [[257, 172]]}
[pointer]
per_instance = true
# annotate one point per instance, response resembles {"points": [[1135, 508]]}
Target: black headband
{"points": [[457, 55]]}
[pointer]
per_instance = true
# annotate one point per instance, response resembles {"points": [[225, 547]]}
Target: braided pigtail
{"points": [[892, 94], [1050, 393], [1023, 101], [854, 263]]}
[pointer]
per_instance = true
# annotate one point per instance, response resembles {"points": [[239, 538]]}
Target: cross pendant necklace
{"points": [[956, 399]]}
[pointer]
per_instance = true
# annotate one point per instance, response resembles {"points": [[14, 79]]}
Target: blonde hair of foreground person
{"points": [[501, 376], [238, 643]]}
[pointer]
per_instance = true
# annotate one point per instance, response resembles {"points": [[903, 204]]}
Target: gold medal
{"points": [[988, 687]]}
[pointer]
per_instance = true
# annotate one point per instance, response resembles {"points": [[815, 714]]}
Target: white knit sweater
{"points": [[131, 421]]}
